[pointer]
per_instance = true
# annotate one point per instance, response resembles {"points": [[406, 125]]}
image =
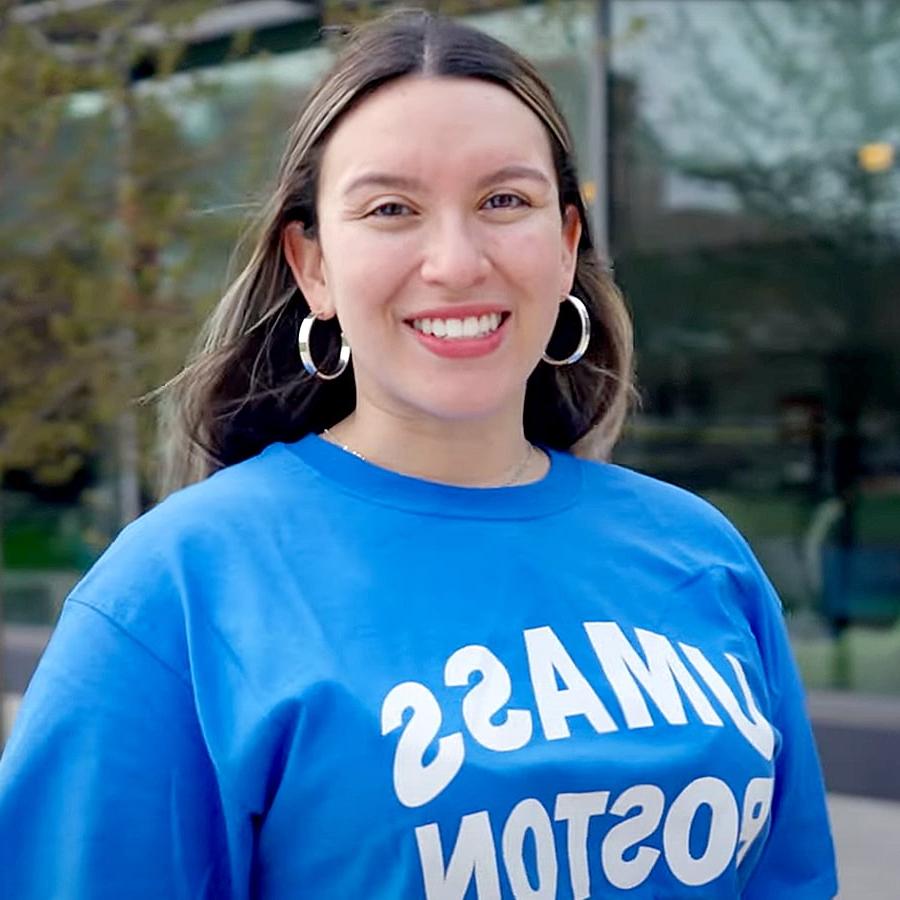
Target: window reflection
{"points": [[755, 226]]}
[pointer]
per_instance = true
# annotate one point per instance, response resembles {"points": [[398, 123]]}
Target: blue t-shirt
{"points": [[309, 677]]}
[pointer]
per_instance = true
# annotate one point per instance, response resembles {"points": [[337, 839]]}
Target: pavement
{"points": [[867, 838], [22, 647]]}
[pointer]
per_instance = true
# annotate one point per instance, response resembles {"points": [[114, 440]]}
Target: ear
{"points": [[571, 235], [304, 255]]}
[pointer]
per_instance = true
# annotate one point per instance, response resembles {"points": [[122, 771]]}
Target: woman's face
{"points": [[440, 247]]}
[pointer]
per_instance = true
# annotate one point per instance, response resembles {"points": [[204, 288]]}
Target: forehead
{"points": [[433, 127]]}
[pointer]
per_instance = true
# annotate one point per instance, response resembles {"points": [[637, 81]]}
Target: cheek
{"points": [[537, 248], [533, 264], [363, 271]]}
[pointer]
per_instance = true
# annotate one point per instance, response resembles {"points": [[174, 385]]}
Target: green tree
{"points": [[105, 260]]}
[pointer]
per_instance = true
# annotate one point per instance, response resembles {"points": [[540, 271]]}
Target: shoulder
{"points": [[661, 528], [673, 525], [252, 485], [224, 506], [656, 506], [193, 537]]}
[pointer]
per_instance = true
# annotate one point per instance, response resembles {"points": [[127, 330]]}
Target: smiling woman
{"points": [[441, 218], [403, 641]]}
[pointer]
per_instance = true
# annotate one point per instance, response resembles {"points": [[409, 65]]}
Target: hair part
{"points": [[244, 388]]}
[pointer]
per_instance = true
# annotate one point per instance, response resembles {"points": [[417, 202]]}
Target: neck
{"points": [[469, 454]]}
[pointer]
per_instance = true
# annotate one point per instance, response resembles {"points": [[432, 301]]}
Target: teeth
{"points": [[455, 329]]}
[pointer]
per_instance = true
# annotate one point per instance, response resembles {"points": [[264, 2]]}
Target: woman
{"points": [[396, 641]]}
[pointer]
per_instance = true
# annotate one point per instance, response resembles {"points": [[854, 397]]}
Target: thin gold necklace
{"points": [[516, 474]]}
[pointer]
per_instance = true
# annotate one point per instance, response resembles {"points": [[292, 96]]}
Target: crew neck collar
{"points": [[556, 491]]}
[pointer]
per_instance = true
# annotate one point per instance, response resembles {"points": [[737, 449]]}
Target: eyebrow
{"points": [[382, 179], [512, 172], [404, 182]]}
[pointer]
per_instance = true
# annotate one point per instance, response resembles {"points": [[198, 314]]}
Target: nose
{"points": [[454, 257]]}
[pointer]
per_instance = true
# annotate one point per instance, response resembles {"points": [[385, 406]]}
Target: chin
{"points": [[467, 406]]}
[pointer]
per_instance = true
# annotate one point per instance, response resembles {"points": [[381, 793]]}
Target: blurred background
{"points": [[740, 161]]}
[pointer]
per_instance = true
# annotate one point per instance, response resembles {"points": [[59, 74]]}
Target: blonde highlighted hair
{"points": [[244, 387]]}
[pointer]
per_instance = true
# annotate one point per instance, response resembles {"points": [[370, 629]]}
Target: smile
{"points": [[471, 327]]}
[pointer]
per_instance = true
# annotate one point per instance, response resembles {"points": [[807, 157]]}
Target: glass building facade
{"points": [[754, 224]]}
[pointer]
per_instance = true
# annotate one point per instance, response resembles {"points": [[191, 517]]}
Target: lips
{"points": [[462, 332]]}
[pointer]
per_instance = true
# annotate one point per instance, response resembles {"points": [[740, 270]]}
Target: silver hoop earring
{"points": [[583, 341], [306, 357]]}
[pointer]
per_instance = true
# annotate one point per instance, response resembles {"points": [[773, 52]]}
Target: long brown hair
{"points": [[244, 387]]}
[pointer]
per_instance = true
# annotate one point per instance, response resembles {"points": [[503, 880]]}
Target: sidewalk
{"points": [[866, 834], [10, 706]]}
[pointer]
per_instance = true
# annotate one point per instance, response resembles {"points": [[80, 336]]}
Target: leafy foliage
{"points": [[101, 284]]}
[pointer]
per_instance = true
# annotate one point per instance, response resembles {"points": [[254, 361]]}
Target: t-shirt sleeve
{"points": [[106, 790], [797, 859]]}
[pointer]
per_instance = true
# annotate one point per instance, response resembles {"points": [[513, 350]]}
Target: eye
{"points": [[505, 201], [390, 210]]}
